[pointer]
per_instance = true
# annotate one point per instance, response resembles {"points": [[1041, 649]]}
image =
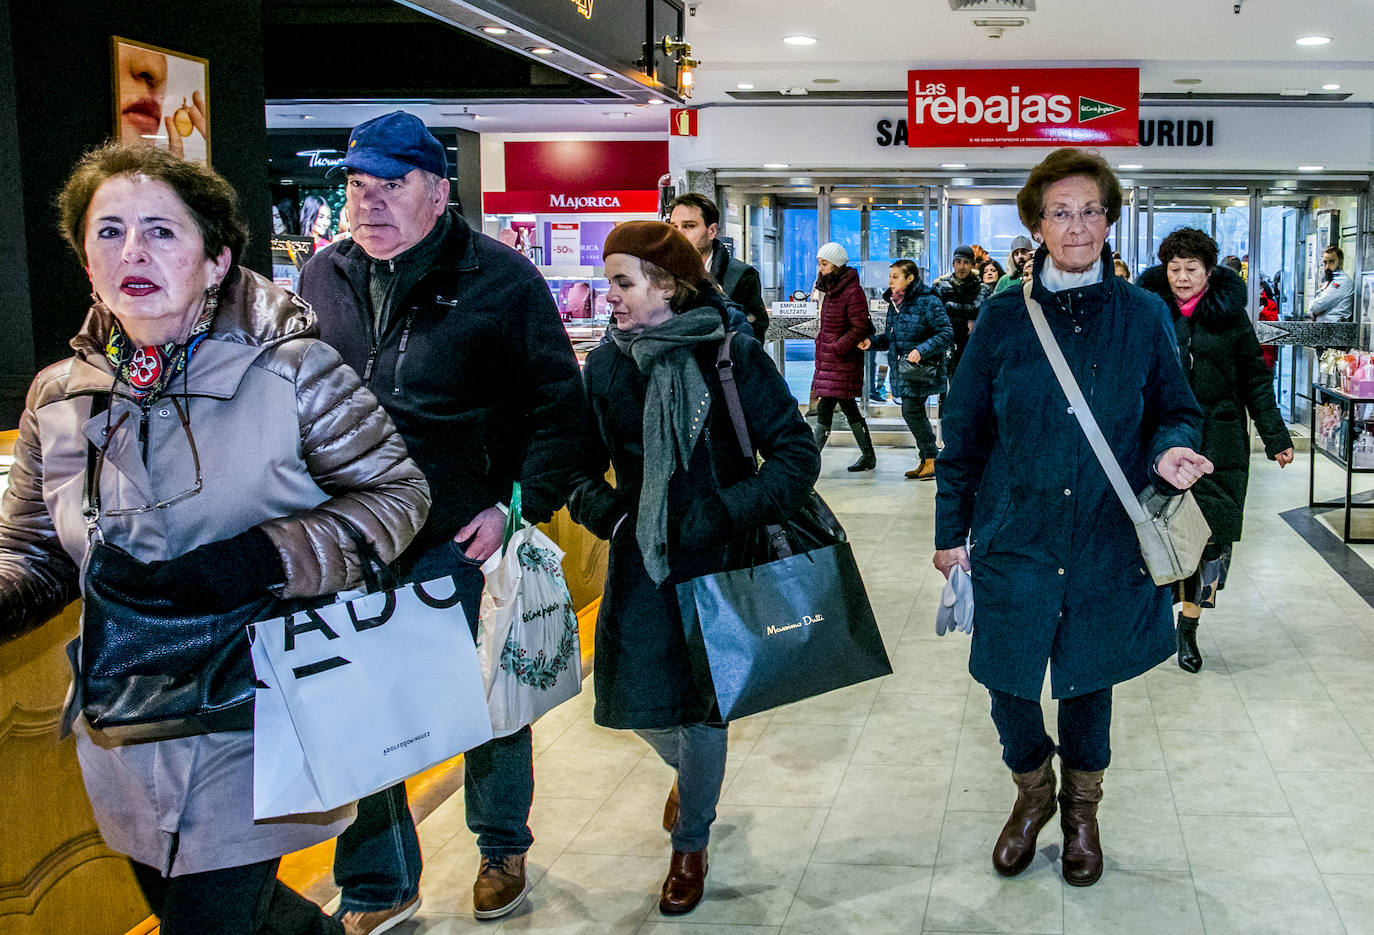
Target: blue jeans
{"points": [[377, 860], [1085, 724], [697, 752]]}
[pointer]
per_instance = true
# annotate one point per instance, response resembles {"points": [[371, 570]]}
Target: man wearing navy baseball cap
{"points": [[438, 318]]}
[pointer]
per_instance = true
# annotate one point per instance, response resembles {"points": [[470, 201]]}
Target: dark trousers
{"points": [[1085, 723], [914, 412], [825, 411], [247, 900], [377, 861]]}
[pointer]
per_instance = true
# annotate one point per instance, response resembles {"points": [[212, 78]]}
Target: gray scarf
{"points": [[676, 405]]}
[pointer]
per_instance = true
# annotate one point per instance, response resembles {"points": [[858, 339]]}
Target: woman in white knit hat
{"points": [[840, 346]]}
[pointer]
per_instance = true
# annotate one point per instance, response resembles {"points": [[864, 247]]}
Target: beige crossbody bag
{"points": [[1171, 529]]}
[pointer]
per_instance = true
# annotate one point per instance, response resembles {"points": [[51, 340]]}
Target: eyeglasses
{"points": [[147, 508], [1062, 216]]}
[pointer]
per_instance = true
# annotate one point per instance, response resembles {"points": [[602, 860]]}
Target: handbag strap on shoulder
{"points": [[725, 367], [1081, 410]]}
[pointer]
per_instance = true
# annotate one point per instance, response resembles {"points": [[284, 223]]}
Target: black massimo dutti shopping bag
{"points": [[794, 623]]}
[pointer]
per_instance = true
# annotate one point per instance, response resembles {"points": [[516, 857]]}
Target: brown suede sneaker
{"points": [[383, 920], [500, 886]]}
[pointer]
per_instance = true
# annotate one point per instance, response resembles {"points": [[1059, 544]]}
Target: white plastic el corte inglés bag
{"points": [[527, 639]]}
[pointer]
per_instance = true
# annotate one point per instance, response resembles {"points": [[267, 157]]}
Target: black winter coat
{"points": [[1057, 570], [474, 368], [963, 298], [643, 675], [921, 324], [747, 291], [1225, 367]]}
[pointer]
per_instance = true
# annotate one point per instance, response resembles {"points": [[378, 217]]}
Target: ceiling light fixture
{"points": [[1311, 168], [495, 30], [1314, 40], [953, 165], [541, 50], [776, 165], [655, 100], [799, 40], [597, 75], [1331, 87], [744, 86], [1130, 165]]}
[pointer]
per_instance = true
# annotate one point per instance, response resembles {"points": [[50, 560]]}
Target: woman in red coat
{"points": [[840, 346]]}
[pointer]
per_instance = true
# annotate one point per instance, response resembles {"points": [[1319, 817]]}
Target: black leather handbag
{"points": [[148, 670]]}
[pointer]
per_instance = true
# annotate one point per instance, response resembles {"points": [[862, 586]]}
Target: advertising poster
{"points": [[162, 99]]}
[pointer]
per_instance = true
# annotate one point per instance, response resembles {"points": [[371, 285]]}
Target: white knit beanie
{"points": [[833, 253]]}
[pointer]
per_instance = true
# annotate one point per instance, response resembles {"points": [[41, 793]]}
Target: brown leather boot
{"points": [[1015, 848], [1078, 818], [671, 809], [924, 471], [685, 884]]}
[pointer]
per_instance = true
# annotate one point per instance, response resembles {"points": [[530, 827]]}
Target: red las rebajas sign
{"points": [[1023, 107]]}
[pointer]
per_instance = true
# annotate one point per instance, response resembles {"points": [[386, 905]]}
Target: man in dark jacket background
{"points": [[460, 340], [698, 218], [963, 293]]}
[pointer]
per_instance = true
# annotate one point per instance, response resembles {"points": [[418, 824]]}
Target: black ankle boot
{"points": [[868, 460], [1189, 658], [819, 435]]}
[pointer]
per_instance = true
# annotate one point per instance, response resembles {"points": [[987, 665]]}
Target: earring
{"points": [[95, 297], [211, 299]]}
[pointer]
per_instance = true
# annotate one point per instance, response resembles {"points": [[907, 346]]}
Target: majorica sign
{"points": [[1023, 107]]}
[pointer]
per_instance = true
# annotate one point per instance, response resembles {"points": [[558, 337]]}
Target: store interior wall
{"points": [[56, 68]]}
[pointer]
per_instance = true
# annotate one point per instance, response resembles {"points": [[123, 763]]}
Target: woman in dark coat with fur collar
{"points": [[1221, 356]]}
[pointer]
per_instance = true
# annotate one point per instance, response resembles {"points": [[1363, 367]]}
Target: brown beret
{"points": [[660, 244]]}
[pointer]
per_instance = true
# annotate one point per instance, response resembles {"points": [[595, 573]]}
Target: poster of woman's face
{"points": [[162, 99]]}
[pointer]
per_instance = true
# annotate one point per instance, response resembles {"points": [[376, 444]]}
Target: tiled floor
{"points": [[1239, 799]]}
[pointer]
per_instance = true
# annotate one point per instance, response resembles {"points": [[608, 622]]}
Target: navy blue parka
{"points": [[1057, 572], [920, 324]]}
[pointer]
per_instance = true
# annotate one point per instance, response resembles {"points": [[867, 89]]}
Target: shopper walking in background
{"points": [[230, 453], [917, 336], [963, 294], [1022, 249], [990, 273], [442, 321], [683, 493], [1221, 357], [698, 219], [1023, 505], [840, 346]]}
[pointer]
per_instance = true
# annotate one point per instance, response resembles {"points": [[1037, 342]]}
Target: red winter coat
{"points": [[844, 323]]}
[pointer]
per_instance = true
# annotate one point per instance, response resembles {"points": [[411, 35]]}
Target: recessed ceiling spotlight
{"points": [[811, 40], [744, 86], [655, 100], [541, 50], [1314, 40], [953, 165], [1130, 165], [1311, 168], [776, 165], [597, 75], [495, 30], [1187, 81], [1331, 87]]}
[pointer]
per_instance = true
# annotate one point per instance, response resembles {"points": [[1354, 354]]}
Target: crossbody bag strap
{"points": [[725, 368], [90, 493], [1082, 411]]}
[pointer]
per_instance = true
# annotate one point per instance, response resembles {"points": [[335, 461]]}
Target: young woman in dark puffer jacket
{"points": [[918, 333]]}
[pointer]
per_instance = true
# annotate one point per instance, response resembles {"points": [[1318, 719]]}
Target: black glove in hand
{"points": [[705, 523], [220, 576]]}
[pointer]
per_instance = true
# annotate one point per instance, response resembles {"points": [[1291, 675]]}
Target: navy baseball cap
{"points": [[391, 145]]}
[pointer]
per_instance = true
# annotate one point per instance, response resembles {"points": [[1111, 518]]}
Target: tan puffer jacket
{"points": [[287, 439]]}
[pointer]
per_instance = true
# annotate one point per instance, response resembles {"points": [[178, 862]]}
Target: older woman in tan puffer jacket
{"points": [[233, 451]]}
